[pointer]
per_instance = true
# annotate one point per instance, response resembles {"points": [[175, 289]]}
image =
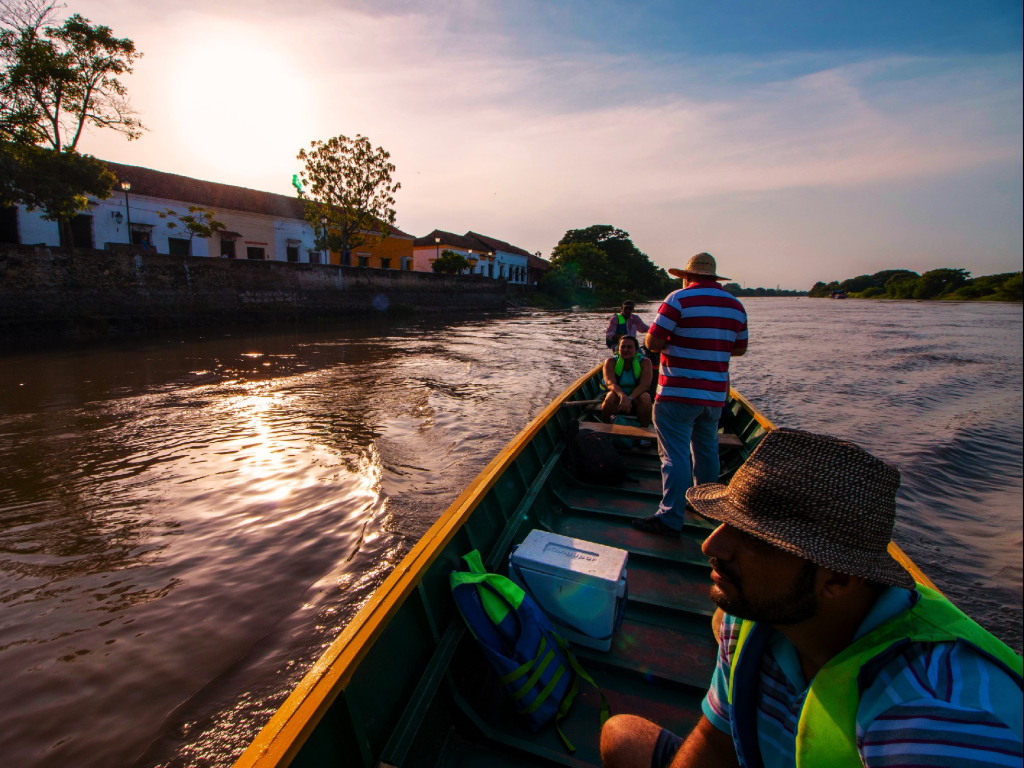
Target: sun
{"points": [[242, 104]]}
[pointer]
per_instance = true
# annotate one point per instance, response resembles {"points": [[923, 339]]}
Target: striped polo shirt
{"points": [[932, 704], [701, 325]]}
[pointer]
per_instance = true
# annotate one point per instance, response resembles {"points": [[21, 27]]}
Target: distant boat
{"points": [[405, 684], [837, 295]]}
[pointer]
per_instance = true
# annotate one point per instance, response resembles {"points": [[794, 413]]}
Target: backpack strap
{"points": [[570, 696]]}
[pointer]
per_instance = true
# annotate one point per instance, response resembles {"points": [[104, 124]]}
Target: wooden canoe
{"points": [[404, 684]]}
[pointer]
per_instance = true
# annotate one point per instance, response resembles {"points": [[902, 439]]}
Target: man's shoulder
{"points": [[698, 295]]}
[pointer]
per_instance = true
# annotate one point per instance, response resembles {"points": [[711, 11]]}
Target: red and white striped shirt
{"points": [[702, 325]]}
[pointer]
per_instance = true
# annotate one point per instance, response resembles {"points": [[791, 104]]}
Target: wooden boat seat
{"points": [[725, 439]]}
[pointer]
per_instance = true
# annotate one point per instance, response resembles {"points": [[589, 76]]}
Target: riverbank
{"points": [[79, 292], [936, 284]]}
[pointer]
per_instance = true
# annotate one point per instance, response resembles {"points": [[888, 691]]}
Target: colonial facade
{"points": [[259, 225], [487, 255]]}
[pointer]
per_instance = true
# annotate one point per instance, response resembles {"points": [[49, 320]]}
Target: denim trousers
{"points": [[682, 427]]}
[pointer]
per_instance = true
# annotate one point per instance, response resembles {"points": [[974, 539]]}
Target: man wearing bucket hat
{"points": [[697, 330], [830, 655]]}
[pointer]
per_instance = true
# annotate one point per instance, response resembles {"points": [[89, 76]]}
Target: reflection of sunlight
{"points": [[267, 461]]}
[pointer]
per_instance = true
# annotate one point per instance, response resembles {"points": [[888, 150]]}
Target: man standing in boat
{"points": [[625, 323], [699, 328], [627, 376], [830, 655]]}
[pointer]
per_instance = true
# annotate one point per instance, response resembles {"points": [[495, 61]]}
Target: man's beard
{"points": [[799, 604]]}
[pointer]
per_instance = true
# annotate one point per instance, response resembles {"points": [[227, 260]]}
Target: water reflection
{"points": [[186, 523]]}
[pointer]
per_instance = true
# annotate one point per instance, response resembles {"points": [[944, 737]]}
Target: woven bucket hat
{"points": [[701, 265], [824, 499]]}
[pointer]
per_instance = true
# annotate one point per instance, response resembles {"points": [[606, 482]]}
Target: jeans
{"points": [[681, 426]]}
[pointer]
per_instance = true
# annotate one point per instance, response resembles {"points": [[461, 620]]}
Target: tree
{"points": [[585, 262], [56, 182], [450, 263], [55, 82], [936, 282], [198, 222], [68, 75], [348, 182], [629, 269]]}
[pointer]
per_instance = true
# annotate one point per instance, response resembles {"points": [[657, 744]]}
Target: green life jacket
{"points": [[620, 366], [620, 330], [827, 729]]}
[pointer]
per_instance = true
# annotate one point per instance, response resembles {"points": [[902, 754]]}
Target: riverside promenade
{"points": [[73, 292]]}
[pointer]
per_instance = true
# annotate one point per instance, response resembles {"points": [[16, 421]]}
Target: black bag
{"points": [[591, 457]]}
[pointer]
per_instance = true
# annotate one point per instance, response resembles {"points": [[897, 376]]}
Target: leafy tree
{"points": [[55, 82], [1012, 289], [937, 282], [68, 74], [450, 263], [629, 270], [56, 182], [348, 182], [198, 222], [589, 264]]}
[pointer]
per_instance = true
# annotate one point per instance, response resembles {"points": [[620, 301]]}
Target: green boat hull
{"points": [[406, 686]]}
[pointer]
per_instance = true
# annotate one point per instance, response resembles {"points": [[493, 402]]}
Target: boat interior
{"points": [[411, 688]]}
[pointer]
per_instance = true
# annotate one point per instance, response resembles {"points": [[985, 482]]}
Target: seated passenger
{"points": [[829, 653], [624, 323], [627, 377]]}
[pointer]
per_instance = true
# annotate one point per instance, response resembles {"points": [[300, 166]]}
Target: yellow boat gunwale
{"points": [[282, 737]]}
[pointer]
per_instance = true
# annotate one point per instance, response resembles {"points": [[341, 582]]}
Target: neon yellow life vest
{"points": [[620, 366], [827, 729]]}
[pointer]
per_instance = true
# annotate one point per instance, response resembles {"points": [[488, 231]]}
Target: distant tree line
{"points": [[601, 265], [736, 290], [953, 284]]}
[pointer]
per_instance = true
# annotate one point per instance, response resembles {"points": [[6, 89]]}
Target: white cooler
{"points": [[580, 585]]}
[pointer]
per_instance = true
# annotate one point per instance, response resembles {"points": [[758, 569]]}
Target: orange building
{"points": [[391, 252]]}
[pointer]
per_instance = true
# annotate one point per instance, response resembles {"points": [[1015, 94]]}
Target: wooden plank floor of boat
{"points": [[661, 659]]}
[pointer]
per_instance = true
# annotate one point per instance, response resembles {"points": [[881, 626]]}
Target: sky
{"points": [[795, 142]]}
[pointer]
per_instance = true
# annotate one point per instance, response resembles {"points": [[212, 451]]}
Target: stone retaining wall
{"points": [[72, 291]]}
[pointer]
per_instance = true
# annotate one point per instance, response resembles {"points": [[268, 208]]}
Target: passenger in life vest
{"points": [[624, 323], [830, 654], [627, 377]]}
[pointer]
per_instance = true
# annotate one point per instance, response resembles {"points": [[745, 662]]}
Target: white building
{"points": [[487, 255], [259, 225]]}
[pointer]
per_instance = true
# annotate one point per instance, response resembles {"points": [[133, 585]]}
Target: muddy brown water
{"points": [[186, 522]]}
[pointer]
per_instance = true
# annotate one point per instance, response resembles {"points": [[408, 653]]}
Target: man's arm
{"points": [[653, 343], [706, 747], [610, 381], [613, 324], [628, 741], [639, 323]]}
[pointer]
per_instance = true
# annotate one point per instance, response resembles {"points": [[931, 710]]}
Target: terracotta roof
{"points": [[536, 262], [464, 242], [146, 181], [476, 242]]}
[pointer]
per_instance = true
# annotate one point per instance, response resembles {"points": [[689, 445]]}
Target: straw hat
{"points": [[701, 265], [821, 498]]}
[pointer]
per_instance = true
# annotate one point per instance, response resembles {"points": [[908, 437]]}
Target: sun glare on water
{"points": [[241, 102]]}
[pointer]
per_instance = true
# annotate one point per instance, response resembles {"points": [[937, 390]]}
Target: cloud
{"points": [[489, 138]]}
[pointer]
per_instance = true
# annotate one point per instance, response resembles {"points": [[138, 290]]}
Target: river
{"points": [[187, 521]]}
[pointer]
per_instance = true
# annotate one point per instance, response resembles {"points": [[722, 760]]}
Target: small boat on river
{"points": [[405, 683]]}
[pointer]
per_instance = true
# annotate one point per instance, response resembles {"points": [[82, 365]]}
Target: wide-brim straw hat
{"points": [[701, 265], [824, 499]]}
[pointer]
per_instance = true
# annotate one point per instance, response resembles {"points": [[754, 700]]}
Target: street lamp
{"points": [[127, 186], [323, 224], [437, 248]]}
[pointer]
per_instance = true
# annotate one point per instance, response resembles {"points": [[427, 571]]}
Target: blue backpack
{"points": [[533, 662]]}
